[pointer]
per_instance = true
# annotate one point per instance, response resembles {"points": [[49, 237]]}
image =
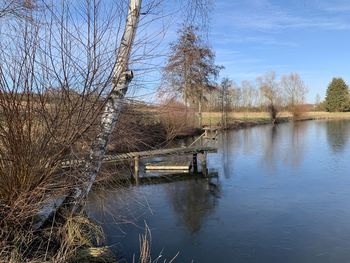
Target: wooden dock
{"points": [[160, 152], [136, 156]]}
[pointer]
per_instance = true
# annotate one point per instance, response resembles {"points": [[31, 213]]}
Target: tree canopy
{"points": [[337, 97]]}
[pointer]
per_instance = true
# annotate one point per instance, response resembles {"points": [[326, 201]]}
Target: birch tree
{"points": [[113, 105], [122, 76], [60, 73]]}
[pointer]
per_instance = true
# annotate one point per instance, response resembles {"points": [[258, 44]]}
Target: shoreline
{"points": [[242, 120]]}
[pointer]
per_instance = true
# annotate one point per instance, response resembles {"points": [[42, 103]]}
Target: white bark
{"points": [[121, 78]]}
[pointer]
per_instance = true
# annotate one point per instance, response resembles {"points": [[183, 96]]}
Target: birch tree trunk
{"points": [[122, 76]]}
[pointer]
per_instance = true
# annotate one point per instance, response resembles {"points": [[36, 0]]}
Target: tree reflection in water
{"points": [[194, 200], [337, 135], [295, 152], [269, 148], [285, 143], [227, 145]]}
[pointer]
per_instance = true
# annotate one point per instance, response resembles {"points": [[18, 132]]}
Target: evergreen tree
{"points": [[190, 70], [337, 98]]}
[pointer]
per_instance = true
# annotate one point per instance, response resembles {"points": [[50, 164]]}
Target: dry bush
{"points": [[53, 81], [298, 111], [177, 119], [35, 135], [139, 129]]}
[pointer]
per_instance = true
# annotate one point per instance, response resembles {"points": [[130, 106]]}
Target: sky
{"points": [[252, 37], [309, 37]]}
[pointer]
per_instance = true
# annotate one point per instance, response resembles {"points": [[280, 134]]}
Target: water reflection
{"points": [[257, 210], [284, 144], [193, 201], [226, 145], [337, 135], [270, 148], [295, 151]]}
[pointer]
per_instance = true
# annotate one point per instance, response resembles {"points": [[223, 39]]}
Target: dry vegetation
{"points": [[54, 78], [177, 119]]}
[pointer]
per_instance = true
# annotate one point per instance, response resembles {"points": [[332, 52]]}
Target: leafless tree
{"points": [[249, 95], [270, 90], [122, 76], [295, 91], [63, 76], [236, 96]]}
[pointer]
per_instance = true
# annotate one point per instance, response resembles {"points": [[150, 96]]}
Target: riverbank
{"points": [[237, 120]]}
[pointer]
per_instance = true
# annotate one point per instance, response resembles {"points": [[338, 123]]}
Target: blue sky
{"points": [[309, 37], [252, 37]]}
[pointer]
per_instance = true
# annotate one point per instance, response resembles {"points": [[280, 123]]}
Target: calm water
{"points": [[282, 195]]}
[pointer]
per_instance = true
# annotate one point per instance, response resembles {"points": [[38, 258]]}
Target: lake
{"points": [[282, 195]]}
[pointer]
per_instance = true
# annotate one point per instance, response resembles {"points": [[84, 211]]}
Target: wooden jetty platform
{"points": [[136, 156]]}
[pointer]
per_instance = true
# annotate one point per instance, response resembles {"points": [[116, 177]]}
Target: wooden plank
{"points": [[185, 165]]}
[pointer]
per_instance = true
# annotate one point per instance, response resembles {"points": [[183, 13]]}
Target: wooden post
{"points": [[204, 163], [194, 163], [136, 168]]}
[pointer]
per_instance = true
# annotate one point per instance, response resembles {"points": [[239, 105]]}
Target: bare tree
{"points": [[270, 90], [122, 76], [249, 95], [295, 91], [62, 83], [236, 97]]}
